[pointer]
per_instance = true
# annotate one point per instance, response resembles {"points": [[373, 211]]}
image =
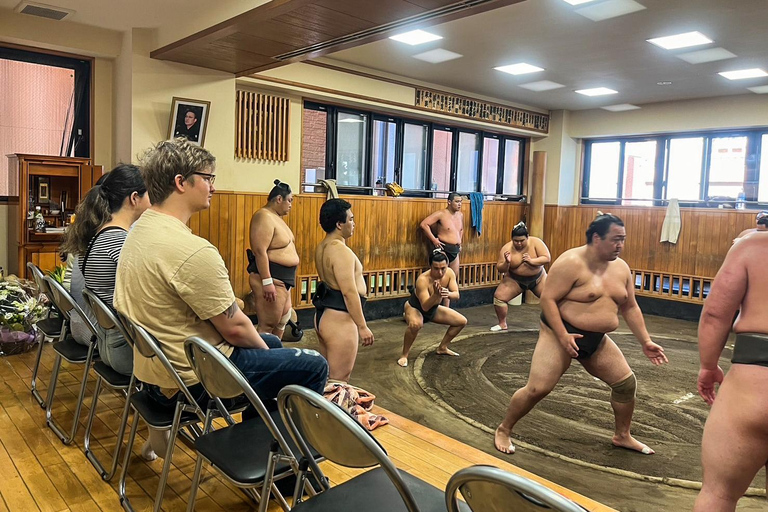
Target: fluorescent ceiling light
{"points": [[415, 37], [743, 73], [620, 107], [578, 2], [437, 56], [520, 68], [610, 9], [543, 85], [760, 89], [596, 91], [350, 120], [709, 55], [680, 40]]}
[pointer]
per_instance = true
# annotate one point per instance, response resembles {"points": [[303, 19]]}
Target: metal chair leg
{"points": [[168, 456], [35, 393], [195, 483], [105, 475], [67, 438], [124, 501]]}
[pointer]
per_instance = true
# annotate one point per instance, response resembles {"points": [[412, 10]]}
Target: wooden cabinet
{"points": [[55, 185]]}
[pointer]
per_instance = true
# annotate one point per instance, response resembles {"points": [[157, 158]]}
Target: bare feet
{"points": [[403, 361], [446, 352], [502, 441], [630, 443]]}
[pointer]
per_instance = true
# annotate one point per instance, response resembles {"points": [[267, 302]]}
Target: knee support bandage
{"points": [[499, 302], [284, 320], [624, 391]]}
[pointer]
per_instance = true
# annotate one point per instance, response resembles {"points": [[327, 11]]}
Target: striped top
{"points": [[101, 262]]}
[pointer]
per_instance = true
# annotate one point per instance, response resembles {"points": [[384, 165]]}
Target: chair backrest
{"points": [[39, 278], [66, 304], [488, 489], [222, 379], [148, 346], [314, 421], [105, 315]]}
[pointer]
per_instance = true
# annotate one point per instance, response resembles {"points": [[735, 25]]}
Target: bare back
{"points": [[588, 298], [749, 278], [331, 257], [268, 228]]}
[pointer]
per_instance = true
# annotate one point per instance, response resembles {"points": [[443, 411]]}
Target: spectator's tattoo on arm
{"points": [[231, 310]]}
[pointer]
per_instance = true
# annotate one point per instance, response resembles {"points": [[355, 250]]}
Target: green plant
{"points": [[20, 305], [57, 274]]}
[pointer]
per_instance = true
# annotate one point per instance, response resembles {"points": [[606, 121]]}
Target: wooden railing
{"points": [[394, 283], [679, 287]]}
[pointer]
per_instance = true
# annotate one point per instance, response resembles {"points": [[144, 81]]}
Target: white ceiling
{"points": [[580, 53]]}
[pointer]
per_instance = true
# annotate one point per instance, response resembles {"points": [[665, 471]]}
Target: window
{"points": [[313, 146], [604, 169], [762, 194], [639, 172], [727, 166], [363, 151], [684, 169], [490, 164], [384, 151], [351, 149], [442, 159], [414, 156], [468, 162], [513, 167]]}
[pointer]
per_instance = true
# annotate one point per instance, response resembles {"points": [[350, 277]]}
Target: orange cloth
{"points": [[357, 402]]}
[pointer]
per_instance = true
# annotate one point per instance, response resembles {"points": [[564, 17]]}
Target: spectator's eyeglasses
{"points": [[210, 178]]}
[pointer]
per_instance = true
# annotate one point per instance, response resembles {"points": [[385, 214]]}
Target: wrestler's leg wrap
{"points": [[284, 320], [499, 302], [624, 391]]}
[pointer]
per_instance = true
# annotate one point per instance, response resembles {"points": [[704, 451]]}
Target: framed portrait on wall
{"points": [[43, 190], [189, 119]]}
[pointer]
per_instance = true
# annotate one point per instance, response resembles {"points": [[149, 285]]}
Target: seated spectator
{"points": [[175, 285], [96, 238]]}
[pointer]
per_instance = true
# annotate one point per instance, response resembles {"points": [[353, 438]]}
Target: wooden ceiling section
{"points": [[284, 31]]}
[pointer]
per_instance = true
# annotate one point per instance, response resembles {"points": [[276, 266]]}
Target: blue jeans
{"points": [[267, 371]]}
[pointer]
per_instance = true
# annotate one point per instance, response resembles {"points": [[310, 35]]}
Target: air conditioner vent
{"points": [[43, 11]]}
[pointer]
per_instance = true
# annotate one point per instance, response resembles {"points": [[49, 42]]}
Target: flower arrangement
{"points": [[21, 307]]}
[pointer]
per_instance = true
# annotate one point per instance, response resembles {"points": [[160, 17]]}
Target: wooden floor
{"points": [[37, 472]]}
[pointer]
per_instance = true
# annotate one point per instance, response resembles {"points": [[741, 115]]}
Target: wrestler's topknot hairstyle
{"points": [[437, 255], [762, 218], [602, 225], [279, 190], [520, 229]]}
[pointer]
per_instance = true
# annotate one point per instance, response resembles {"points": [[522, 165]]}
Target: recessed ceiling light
{"points": [[609, 9], [596, 91], [680, 40], [437, 56], [743, 73], [620, 107], [415, 37], [543, 85], [578, 2], [709, 55], [664, 82], [520, 68], [760, 89]]}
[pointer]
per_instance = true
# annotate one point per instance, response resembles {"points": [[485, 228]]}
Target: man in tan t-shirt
{"points": [[175, 285]]}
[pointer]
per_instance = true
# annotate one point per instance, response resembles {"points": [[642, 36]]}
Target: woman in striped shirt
{"points": [[102, 221]]}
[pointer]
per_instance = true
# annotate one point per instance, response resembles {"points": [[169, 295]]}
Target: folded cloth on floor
{"points": [[476, 203], [357, 402]]}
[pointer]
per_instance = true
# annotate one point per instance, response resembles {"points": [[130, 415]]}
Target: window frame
{"points": [[752, 163], [332, 112]]}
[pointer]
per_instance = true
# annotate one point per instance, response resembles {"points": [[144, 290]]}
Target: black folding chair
{"points": [[314, 421], [251, 454], [50, 328], [71, 351], [490, 489], [186, 413], [105, 375]]}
